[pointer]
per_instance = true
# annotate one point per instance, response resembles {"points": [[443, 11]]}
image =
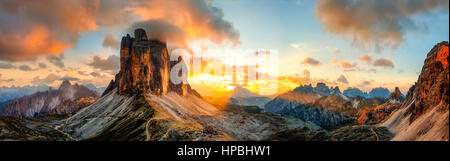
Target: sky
{"points": [[345, 43]]}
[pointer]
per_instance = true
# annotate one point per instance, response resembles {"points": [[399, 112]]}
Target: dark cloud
{"points": [[374, 23], [366, 83], [199, 19], [42, 65], [45, 81], [83, 73], [49, 27], [57, 60], [25, 68], [311, 61], [68, 78], [95, 74], [37, 28], [6, 66], [342, 79], [111, 41], [386, 63], [111, 63]]}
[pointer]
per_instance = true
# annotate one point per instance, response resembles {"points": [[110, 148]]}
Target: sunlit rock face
{"points": [[145, 67], [424, 114]]}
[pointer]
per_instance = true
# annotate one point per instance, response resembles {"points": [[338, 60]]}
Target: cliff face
{"points": [[145, 67], [424, 115], [66, 99]]}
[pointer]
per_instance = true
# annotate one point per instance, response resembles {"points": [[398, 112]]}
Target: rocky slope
{"points": [[29, 129], [424, 115], [381, 113], [67, 98], [141, 104], [324, 106]]}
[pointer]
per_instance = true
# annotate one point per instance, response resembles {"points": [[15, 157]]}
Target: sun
{"points": [[229, 88]]}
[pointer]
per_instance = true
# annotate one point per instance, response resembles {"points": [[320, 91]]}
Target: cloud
{"points": [[342, 79], [365, 82], [7, 80], [366, 58], [57, 60], [42, 65], [45, 81], [374, 24], [83, 73], [49, 27], [111, 63], [335, 61], [183, 20], [295, 45], [346, 64], [336, 50], [6, 66], [306, 73], [386, 63], [25, 68], [311, 61], [68, 78], [111, 41], [95, 74]]}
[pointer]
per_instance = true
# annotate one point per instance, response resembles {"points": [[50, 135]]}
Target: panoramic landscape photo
{"points": [[224, 70]]}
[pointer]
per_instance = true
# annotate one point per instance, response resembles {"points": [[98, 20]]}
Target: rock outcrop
{"points": [[317, 115], [67, 98], [381, 113], [396, 97], [245, 97], [424, 115], [145, 67]]}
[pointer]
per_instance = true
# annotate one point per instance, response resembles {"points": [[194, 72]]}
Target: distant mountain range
{"points": [[378, 92], [9, 93], [67, 98]]}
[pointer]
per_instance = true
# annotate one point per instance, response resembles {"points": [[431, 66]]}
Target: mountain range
{"points": [[142, 104], [66, 99]]}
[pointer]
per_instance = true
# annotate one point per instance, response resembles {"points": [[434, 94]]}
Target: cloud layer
{"points": [[182, 20], [374, 23], [49, 27]]}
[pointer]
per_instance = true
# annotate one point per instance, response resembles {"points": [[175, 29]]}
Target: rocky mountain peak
{"points": [[145, 67], [241, 92], [65, 84], [396, 96], [432, 87]]}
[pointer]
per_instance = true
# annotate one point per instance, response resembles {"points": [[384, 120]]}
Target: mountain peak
{"points": [[396, 96], [145, 67], [65, 84], [243, 92]]}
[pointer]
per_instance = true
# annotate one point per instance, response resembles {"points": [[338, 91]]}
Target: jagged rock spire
{"points": [[145, 67]]}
